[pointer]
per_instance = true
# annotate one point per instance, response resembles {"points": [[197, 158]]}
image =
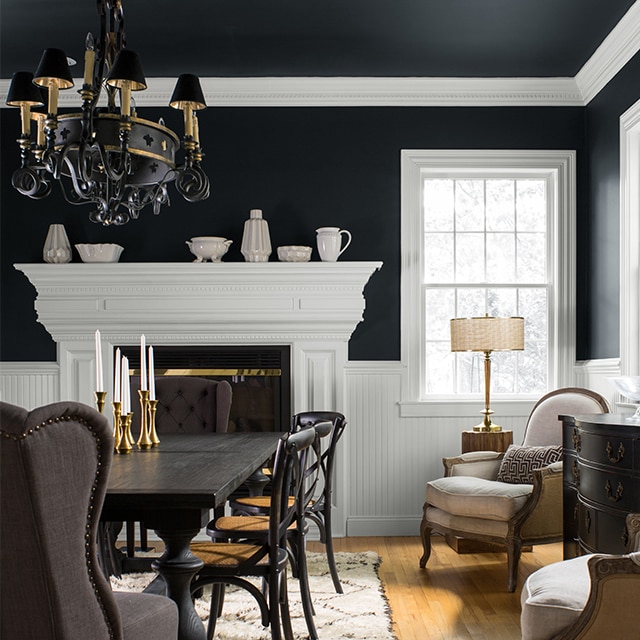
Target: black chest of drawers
{"points": [[601, 482]]}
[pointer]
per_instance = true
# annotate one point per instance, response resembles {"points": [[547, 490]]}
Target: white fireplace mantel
{"points": [[313, 307]]}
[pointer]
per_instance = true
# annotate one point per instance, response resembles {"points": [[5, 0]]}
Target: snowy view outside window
{"points": [[485, 252]]}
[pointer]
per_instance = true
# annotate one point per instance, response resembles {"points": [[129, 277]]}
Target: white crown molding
{"points": [[357, 92], [615, 51]]}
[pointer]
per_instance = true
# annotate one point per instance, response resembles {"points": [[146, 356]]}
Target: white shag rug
{"points": [[360, 613]]}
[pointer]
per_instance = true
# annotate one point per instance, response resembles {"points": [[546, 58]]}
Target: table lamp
{"points": [[487, 334]]}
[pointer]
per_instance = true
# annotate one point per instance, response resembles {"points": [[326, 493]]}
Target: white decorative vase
{"points": [[256, 244], [57, 249]]}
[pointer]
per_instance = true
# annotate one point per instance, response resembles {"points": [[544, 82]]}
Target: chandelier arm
{"points": [[31, 182]]}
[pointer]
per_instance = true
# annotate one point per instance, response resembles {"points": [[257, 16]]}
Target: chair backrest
{"points": [[54, 466], [543, 426], [188, 404], [290, 465], [326, 459]]}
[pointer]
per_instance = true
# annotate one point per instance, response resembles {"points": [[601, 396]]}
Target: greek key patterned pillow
{"points": [[519, 462]]}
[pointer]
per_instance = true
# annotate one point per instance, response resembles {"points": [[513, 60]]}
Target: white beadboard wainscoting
{"points": [[385, 458]]}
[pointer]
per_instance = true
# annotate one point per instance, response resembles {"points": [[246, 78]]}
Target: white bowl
{"points": [[208, 248], [107, 252], [629, 387], [294, 253]]}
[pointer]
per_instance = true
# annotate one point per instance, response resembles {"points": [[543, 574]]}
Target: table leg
{"points": [[177, 566]]}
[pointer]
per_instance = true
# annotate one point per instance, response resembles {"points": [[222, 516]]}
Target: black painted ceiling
{"points": [[437, 38]]}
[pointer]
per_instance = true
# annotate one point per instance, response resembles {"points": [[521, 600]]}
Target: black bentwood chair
{"points": [[255, 528], [320, 507], [233, 562], [54, 468]]}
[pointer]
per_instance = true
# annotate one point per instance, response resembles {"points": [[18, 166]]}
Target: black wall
{"points": [[599, 278], [305, 167]]}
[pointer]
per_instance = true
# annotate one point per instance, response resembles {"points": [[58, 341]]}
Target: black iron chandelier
{"points": [[105, 155]]}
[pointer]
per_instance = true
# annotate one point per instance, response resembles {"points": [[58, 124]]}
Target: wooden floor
{"points": [[457, 597]]}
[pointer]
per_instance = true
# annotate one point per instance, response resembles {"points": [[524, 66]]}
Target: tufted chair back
{"points": [[54, 468], [188, 404], [543, 427]]}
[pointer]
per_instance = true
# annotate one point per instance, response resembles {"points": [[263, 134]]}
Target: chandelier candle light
{"points": [[487, 334], [105, 156]]}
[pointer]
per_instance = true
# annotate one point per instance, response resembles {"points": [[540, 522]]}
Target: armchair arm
{"points": [[479, 464], [612, 607], [541, 516]]}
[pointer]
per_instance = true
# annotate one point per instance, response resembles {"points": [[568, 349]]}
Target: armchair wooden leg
{"points": [[425, 534], [514, 549]]}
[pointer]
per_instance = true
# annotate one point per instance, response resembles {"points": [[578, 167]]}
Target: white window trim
{"points": [[562, 167], [630, 241]]}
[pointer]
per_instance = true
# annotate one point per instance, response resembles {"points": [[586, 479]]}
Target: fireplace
{"points": [[260, 378], [310, 307]]}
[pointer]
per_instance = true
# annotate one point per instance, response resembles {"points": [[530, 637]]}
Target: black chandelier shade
{"points": [[22, 91], [53, 68], [188, 93], [127, 70], [108, 156]]}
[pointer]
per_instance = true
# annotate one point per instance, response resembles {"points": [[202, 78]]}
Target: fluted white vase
{"points": [[57, 249], [256, 244]]}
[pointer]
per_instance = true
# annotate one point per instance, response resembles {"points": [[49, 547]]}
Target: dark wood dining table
{"points": [[172, 488]]}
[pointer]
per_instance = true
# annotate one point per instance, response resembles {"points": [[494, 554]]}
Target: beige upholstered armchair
{"points": [[515, 498], [586, 598]]}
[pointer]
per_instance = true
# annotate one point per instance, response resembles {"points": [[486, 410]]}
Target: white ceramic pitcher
{"points": [[330, 242]]}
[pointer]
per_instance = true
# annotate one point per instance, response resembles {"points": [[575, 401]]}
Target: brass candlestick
{"points": [[117, 424], [153, 405], [144, 441], [100, 397], [126, 441]]}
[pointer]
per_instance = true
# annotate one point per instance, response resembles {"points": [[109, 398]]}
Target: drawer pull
{"points": [[577, 445], [575, 470], [587, 521], [619, 491], [625, 537], [620, 455]]}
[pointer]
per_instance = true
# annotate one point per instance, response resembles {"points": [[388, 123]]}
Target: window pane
{"points": [[438, 257], [471, 303], [531, 206], [438, 205], [532, 257], [532, 305], [502, 302], [469, 257], [504, 376], [439, 364], [500, 205], [469, 372], [469, 202], [533, 367], [439, 309], [501, 253]]}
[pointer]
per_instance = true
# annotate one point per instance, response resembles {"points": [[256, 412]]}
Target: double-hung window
{"points": [[487, 233]]}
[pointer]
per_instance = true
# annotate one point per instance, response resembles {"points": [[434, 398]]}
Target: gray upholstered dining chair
{"points": [[515, 498], [590, 597], [54, 468]]}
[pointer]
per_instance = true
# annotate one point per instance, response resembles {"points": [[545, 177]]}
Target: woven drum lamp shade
{"points": [[487, 334]]}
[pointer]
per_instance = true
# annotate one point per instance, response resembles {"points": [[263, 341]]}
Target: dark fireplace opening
{"points": [[260, 378]]}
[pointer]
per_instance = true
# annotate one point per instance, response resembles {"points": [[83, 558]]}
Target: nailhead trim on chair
{"points": [[90, 511]]}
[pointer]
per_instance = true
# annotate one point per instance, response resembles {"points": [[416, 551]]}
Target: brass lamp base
{"points": [[486, 424]]}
